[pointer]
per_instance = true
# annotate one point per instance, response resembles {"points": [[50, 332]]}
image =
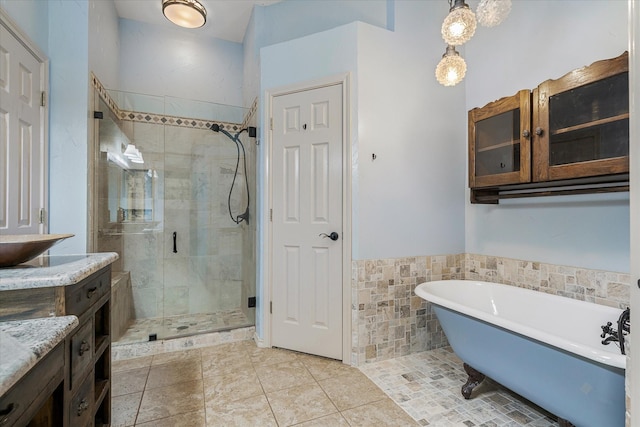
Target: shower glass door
{"points": [[192, 269]]}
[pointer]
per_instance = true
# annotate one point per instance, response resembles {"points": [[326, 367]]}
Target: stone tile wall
{"points": [[389, 320], [600, 287]]}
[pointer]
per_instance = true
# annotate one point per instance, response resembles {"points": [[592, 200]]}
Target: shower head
{"points": [[215, 127]]}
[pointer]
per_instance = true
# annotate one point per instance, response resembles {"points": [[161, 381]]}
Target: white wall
{"points": [[538, 41], [179, 63]]}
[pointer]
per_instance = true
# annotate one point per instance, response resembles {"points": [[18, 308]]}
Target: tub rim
{"points": [[601, 356]]}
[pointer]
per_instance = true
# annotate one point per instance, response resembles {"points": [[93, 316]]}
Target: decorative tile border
{"points": [[161, 119]]}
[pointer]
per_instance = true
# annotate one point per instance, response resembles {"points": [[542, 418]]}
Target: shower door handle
{"points": [[175, 242]]}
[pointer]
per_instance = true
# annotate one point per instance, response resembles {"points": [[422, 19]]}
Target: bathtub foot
{"points": [[564, 423], [475, 378]]}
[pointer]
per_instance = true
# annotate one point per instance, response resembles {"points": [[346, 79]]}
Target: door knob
{"points": [[333, 236]]}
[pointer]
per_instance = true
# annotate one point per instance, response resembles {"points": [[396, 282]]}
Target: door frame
{"points": [[7, 22], [266, 248]]}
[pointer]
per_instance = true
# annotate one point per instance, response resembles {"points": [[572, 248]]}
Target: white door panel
{"points": [[21, 142], [307, 203]]}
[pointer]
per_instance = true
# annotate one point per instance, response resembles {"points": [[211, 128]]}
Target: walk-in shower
{"points": [[185, 267]]}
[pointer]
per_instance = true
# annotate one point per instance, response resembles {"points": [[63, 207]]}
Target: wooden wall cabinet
{"points": [[573, 131], [499, 147]]}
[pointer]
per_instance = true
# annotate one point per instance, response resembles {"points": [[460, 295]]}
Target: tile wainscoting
{"points": [[389, 320]]}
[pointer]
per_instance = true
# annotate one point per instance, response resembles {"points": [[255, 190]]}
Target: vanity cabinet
{"points": [[89, 395], [37, 399], [573, 130], [84, 396]]}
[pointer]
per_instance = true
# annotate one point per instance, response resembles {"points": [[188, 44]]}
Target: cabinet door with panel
{"points": [[582, 122], [499, 142]]}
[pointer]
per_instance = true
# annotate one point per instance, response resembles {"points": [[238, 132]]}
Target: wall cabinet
{"points": [[566, 132]]}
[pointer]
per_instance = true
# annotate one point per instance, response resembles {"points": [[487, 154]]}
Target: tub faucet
{"points": [[617, 335]]}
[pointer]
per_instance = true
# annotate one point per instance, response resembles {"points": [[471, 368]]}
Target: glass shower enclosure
{"points": [[163, 180]]}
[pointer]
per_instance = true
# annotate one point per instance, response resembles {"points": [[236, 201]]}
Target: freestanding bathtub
{"points": [[544, 347]]}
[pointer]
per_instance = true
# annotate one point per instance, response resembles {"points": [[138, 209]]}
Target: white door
{"points": [[307, 204], [21, 142]]}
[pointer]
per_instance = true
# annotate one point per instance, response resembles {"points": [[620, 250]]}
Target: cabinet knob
{"points": [[83, 406], [84, 347], [526, 133], [538, 131], [7, 413]]}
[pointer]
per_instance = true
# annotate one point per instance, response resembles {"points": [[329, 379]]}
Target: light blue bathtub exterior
{"points": [[579, 390]]}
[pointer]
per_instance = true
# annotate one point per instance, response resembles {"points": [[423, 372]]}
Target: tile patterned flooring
{"points": [[239, 384], [427, 386], [183, 325]]}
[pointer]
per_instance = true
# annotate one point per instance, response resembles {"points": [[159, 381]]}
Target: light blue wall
{"points": [[584, 231], [32, 16], [69, 58], [179, 63], [61, 29], [104, 43], [292, 19]]}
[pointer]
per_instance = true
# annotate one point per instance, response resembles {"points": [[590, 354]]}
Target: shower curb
{"points": [[150, 348]]}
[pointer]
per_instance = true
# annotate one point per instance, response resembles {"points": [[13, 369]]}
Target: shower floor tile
{"points": [[183, 325]]}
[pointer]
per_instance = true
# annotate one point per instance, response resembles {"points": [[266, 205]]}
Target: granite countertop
{"points": [[53, 270], [23, 343]]}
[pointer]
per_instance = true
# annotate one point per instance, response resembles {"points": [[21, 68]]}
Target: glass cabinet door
{"points": [[499, 134], [583, 122]]}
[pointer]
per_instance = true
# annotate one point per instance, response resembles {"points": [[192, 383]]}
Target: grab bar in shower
{"points": [[175, 242]]}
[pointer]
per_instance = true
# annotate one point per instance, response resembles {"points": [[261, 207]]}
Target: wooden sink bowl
{"points": [[16, 249]]}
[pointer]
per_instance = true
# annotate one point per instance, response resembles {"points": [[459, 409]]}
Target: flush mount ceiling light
{"points": [[185, 13], [492, 12], [451, 68], [460, 24]]}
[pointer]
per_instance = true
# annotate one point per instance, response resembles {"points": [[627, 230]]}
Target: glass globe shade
{"points": [[459, 26], [451, 68], [492, 12]]}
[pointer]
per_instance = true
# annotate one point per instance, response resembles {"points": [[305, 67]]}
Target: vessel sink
{"points": [[19, 248]]}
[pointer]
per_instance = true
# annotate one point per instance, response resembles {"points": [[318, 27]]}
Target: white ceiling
{"points": [[226, 19]]}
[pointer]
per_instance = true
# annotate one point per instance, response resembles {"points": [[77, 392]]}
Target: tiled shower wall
{"points": [[389, 321], [195, 170]]}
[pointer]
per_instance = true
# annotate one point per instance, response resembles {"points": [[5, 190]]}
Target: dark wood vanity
{"points": [[72, 383]]}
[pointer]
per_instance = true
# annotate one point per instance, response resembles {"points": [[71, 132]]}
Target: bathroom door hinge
{"points": [[271, 215], [271, 123], [270, 307], [41, 216], [43, 99]]}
